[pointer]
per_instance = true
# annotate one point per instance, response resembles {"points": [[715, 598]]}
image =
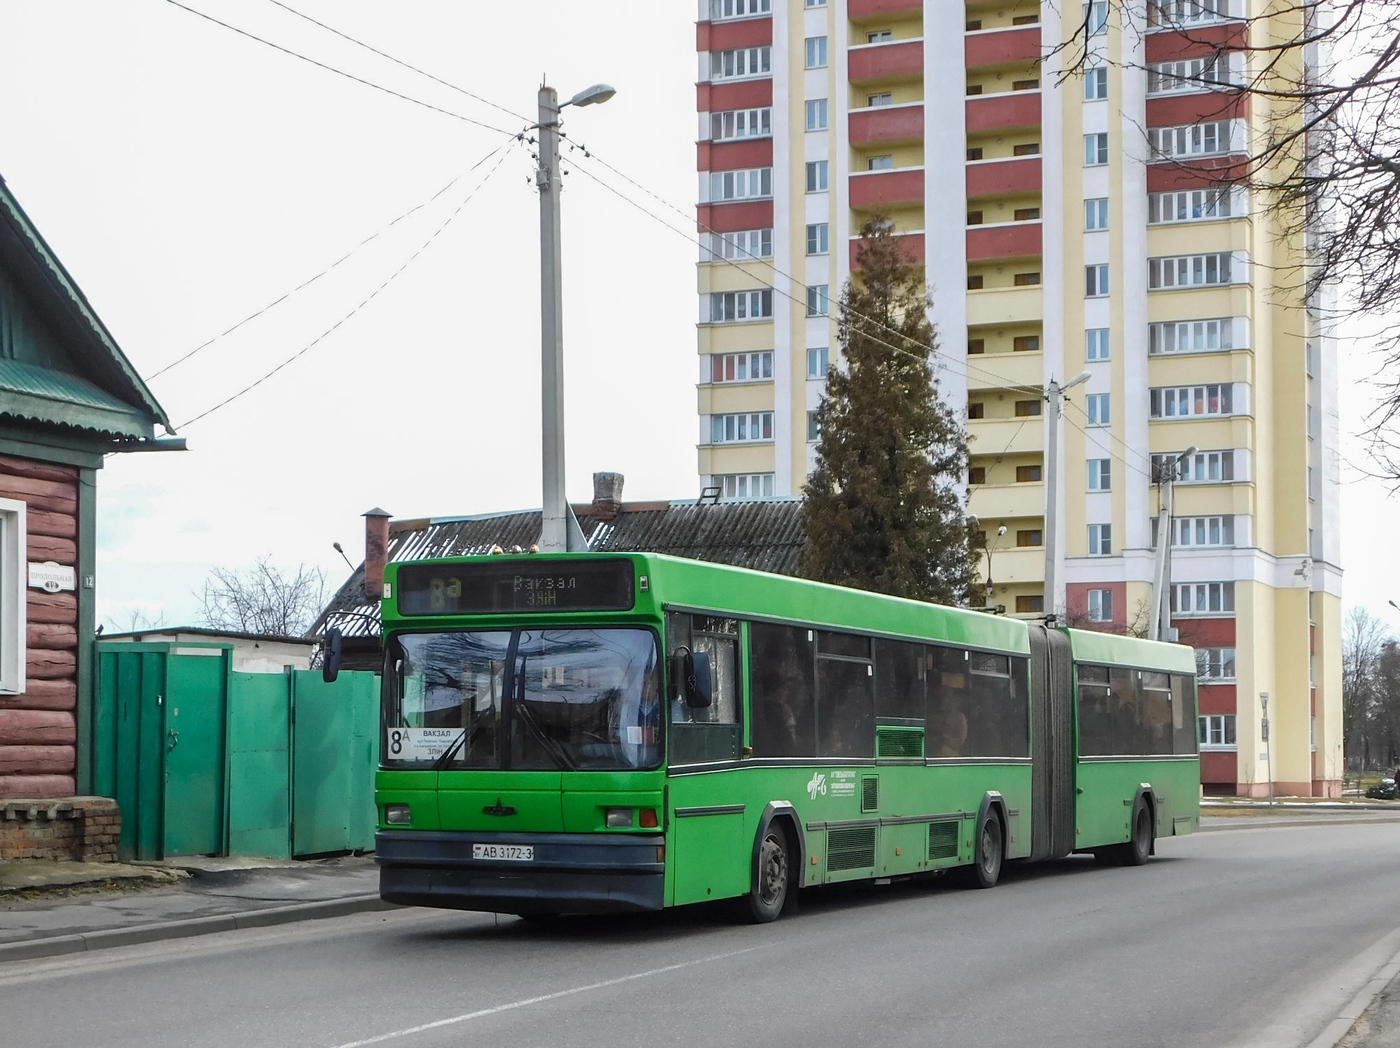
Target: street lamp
{"points": [[1159, 622], [991, 548], [1268, 753], [1054, 395], [559, 531]]}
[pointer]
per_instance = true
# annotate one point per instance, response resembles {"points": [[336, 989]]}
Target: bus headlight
{"points": [[397, 814], [618, 818]]}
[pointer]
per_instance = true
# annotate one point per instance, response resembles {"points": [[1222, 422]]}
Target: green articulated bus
{"points": [[584, 733]]}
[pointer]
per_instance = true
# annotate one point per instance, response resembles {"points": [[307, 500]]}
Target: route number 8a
{"points": [[439, 590], [396, 740]]}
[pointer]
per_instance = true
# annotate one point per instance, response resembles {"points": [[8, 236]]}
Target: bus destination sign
{"points": [[500, 586]]}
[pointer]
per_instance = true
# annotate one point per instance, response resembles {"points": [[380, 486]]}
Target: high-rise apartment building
{"points": [[1064, 227]]}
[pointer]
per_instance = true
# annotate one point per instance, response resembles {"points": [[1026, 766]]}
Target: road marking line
{"points": [[527, 1002]]}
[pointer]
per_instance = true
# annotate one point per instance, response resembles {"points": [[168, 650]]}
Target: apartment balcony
{"points": [[732, 156], [1169, 45], [860, 10], [911, 249], [724, 36], [991, 502], [877, 190], [1005, 369], [1006, 436], [887, 125], [1007, 240], [1012, 305], [1009, 111], [739, 94], [1018, 564], [1000, 46], [874, 63], [736, 215], [998, 177]]}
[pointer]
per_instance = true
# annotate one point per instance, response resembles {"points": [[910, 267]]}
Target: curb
{"points": [[1339, 1027], [57, 945]]}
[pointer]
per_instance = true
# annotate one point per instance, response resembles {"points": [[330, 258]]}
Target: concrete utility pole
{"points": [[1054, 396], [559, 531], [1159, 626]]}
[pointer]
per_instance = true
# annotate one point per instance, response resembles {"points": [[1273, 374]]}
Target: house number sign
{"points": [[52, 577]]}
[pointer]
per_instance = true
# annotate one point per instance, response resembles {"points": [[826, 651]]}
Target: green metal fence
{"points": [[207, 761]]}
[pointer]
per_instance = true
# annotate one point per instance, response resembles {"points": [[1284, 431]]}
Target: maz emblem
{"points": [[498, 809]]}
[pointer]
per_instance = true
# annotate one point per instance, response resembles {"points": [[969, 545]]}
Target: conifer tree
{"points": [[882, 510]]}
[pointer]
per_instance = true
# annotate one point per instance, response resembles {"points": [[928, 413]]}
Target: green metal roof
{"points": [[32, 392]]}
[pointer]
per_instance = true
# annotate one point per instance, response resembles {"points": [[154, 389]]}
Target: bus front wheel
{"points": [[986, 867], [770, 887]]}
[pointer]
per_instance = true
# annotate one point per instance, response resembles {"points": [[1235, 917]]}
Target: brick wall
{"points": [[85, 829]]}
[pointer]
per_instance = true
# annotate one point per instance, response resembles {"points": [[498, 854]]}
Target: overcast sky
{"points": [[188, 176]]}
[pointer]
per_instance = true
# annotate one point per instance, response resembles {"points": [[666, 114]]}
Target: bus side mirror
{"points": [[330, 656], [698, 691]]}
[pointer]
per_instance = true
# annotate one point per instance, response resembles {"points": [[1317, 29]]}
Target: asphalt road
{"points": [[1239, 937]]}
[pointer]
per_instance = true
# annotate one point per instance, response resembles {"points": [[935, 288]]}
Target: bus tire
{"points": [[1139, 845], [986, 864], [769, 891]]}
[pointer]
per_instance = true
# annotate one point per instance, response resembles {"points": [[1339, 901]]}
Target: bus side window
{"points": [[1157, 712], [1183, 714], [782, 691], [718, 638], [1095, 719], [998, 725], [948, 704], [1125, 709], [845, 696]]}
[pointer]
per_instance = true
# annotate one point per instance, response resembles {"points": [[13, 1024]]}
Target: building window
{"points": [[816, 238], [1178, 14], [1025, 279], [1217, 731], [1209, 270], [722, 9], [880, 163], [976, 345], [816, 176], [1097, 408], [1203, 598], [741, 367], [881, 98], [1100, 605], [726, 306], [818, 304], [976, 409], [975, 282], [816, 52], [1100, 540], [1096, 344], [742, 428], [741, 123], [1095, 83], [1199, 531], [1096, 17], [1026, 214], [1096, 281], [1096, 213], [814, 429], [1189, 74], [879, 36], [1204, 467], [741, 185], [815, 3], [13, 595], [1025, 344], [1193, 205], [1096, 149], [1027, 408], [816, 114], [1030, 605], [1207, 139], [1025, 149], [1030, 537], [1186, 401], [1028, 474], [817, 362], [1100, 474], [975, 153], [747, 243], [977, 475], [741, 486], [1025, 85], [1026, 20], [743, 61], [1190, 336], [1215, 664]]}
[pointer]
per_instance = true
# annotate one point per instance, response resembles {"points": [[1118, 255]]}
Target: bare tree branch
{"points": [[263, 599]]}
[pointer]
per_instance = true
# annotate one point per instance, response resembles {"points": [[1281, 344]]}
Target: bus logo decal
{"points": [[498, 809], [817, 785]]}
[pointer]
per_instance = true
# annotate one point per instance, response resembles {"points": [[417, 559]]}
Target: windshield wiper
{"points": [[506, 685], [550, 746]]}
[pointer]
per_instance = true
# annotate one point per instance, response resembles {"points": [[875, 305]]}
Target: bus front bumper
{"points": [[569, 873]]}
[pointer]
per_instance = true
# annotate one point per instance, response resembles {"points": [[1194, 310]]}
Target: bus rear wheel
{"points": [[1139, 845], [770, 887], [986, 867]]}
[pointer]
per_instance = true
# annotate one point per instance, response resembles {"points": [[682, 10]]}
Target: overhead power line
{"points": [[366, 301]]}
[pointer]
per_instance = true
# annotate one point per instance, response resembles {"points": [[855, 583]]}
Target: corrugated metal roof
{"points": [[765, 536]]}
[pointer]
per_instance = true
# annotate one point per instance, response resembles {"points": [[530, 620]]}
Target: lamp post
{"points": [[1160, 621], [1054, 396], [1268, 753], [556, 534], [991, 548]]}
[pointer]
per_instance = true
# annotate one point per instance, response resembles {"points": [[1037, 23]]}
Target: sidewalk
{"points": [[121, 904]]}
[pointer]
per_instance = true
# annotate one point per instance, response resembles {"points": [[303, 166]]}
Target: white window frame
{"points": [[816, 176], [1168, 402], [728, 125], [1192, 75], [1208, 138], [818, 300], [1216, 726], [816, 114], [1096, 280], [815, 52], [1212, 664], [741, 427], [1096, 344], [883, 162], [1180, 14], [1191, 599], [1213, 269], [1096, 149], [740, 63], [1099, 604], [1194, 532], [1100, 540], [879, 36], [725, 10], [879, 100], [756, 366], [1196, 205], [1100, 474], [1204, 467], [818, 238], [1207, 335], [1095, 213], [818, 361], [1098, 409], [14, 593], [742, 244], [1095, 16], [739, 307], [730, 483], [1095, 83], [755, 183]]}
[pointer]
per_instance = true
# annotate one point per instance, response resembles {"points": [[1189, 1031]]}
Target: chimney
{"points": [[607, 496], [376, 551]]}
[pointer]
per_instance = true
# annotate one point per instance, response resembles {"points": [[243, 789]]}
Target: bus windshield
{"points": [[524, 699]]}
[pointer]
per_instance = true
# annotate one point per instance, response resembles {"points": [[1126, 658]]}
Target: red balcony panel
{"points": [[730, 218], [1175, 110], [859, 9], [1007, 45], [878, 189], [883, 61], [1216, 698], [745, 94], [1198, 174], [911, 249], [721, 36], [1196, 43], [887, 124], [1206, 633], [731, 156], [1001, 112], [1219, 768], [1019, 175], [1003, 241]]}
